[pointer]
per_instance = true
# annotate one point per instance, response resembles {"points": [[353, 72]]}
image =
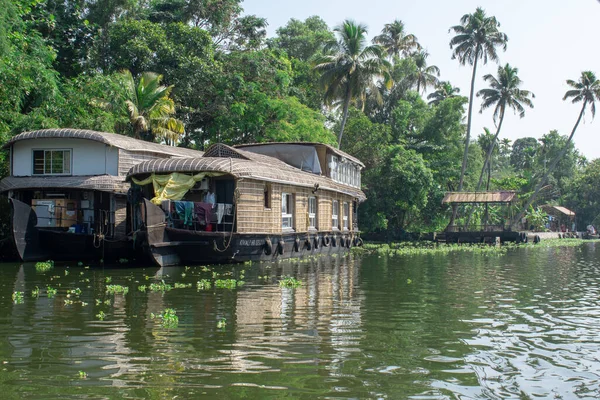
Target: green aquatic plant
{"points": [[290, 282], [108, 279], [409, 281], [183, 274], [160, 287], [74, 292], [228, 283], [35, 292], [221, 323], [142, 288], [68, 302], [168, 318], [101, 315], [83, 374], [50, 291], [203, 284], [66, 272], [83, 304], [17, 297], [182, 285], [117, 289], [44, 266]]}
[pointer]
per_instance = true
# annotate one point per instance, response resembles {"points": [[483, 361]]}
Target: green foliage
{"points": [[228, 283], [17, 297], [290, 282], [160, 287], [44, 266], [584, 195], [203, 284], [117, 289], [168, 318]]}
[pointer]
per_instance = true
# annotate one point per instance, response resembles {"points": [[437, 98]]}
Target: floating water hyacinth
{"points": [[117, 289], [290, 282], [17, 297], [160, 287], [44, 266], [228, 283], [168, 318], [203, 284]]}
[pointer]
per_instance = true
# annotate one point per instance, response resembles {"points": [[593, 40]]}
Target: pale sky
{"points": [[550, 41]]}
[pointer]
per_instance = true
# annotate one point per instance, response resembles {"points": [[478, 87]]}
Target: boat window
{"points": [[334, 215], [287, 210], [333, 167], [312, 212], [267, 195], [51, 162], [345, 216]]}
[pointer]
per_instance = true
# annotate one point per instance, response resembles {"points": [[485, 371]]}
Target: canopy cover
{"points": [[173, 186]]}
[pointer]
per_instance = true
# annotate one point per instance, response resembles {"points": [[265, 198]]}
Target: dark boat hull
{"points": [[35, 244]]}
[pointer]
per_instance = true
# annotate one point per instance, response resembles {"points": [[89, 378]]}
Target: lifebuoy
{"points": [[536, 239], [342, 241], [280, 245], [297, 245], [359, 242], [326, 241], [349, 242], [316, 242], [308, 244], [333, 241], [268, 247]]}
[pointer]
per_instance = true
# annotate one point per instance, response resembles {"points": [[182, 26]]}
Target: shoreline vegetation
{"points": [[428, 247]]}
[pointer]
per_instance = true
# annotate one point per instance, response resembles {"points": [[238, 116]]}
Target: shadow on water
{"points": [[521, 325]]}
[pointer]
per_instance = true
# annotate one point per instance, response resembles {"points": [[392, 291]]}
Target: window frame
{"points": [[335, 215], [287, 203], [345, 216], [44, 151], [313, 216]]}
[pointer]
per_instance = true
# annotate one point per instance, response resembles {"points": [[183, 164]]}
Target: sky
{"points": [[550, 41]]}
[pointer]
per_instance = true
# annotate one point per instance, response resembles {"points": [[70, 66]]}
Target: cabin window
{"points": [[312, 212], [51, 162], [345, 216], [287, 211], [333, 167], [335, 210], [267, 195]]}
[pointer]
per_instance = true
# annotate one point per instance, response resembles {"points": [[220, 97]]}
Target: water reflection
{"points": [[523, 325]]}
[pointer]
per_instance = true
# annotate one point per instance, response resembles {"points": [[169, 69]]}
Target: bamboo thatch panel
{"points": [[104, 183]]}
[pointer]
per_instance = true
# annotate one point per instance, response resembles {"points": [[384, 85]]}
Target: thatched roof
{"points": [[244, 164], [553, 210], [111, 139], [104, 183], [330, 148], [505, 196]]}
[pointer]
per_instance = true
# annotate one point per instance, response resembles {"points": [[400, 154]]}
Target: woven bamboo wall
{"points": [[253, 217], [120, 217], [128, 159]]}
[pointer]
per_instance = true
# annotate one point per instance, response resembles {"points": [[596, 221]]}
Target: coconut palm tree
{"points": [[503, 93], [350, 68], [426, 75], [476, 39], [587, 91], [150, 108], [395, 41], [443, 91]]}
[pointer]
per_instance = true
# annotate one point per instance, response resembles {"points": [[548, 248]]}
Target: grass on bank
{"points": [[425, 247]]}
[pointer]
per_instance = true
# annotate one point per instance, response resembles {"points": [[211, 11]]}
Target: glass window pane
{"points": [[47, 162], [38, 162], [57, 162], [67, 162]]}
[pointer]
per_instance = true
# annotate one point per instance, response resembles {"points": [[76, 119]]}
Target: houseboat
{"points": [[251, 202], [68, 192]]}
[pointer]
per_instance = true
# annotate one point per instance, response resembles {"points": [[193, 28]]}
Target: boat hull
{"points": [[191, 247]]}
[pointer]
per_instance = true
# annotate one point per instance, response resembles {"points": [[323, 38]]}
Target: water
{"points": [[525, 325]]}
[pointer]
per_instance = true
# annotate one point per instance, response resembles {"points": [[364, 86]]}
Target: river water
{"points": [[523, 325]]}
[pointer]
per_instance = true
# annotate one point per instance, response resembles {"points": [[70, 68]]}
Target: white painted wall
{"points": [[88, 156]]}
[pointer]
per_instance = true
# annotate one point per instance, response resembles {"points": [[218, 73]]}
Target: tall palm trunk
{"points": [[468, 138], [487, 162], [550, 168], [344, 114]]}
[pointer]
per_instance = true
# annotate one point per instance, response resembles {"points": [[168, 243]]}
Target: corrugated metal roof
{"points": [[560, 209], [244, 164], [111, 139], [334, 150], [104, 183], [505, 196]]}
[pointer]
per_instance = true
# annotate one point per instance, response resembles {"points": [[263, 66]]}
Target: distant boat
{"points": [[252, 202], [69, 195]]}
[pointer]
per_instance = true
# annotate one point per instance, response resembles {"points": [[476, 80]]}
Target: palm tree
{"points": [[586, 90], [504, 93], [476, 38], [395, 41], [150, 108], [350, 67], [444, 90], [426, 75]]}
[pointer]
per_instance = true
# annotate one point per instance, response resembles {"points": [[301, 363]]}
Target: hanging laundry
{"points": [[203, 212]]}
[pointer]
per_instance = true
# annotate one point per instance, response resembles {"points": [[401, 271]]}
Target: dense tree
{"points": [[584, 196], [351, 68], [150, 108], [523, 153], [426, 75], [503, 93], [443, 91], [395, 41], [303, 39], [587, 91], [476, 39]]}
